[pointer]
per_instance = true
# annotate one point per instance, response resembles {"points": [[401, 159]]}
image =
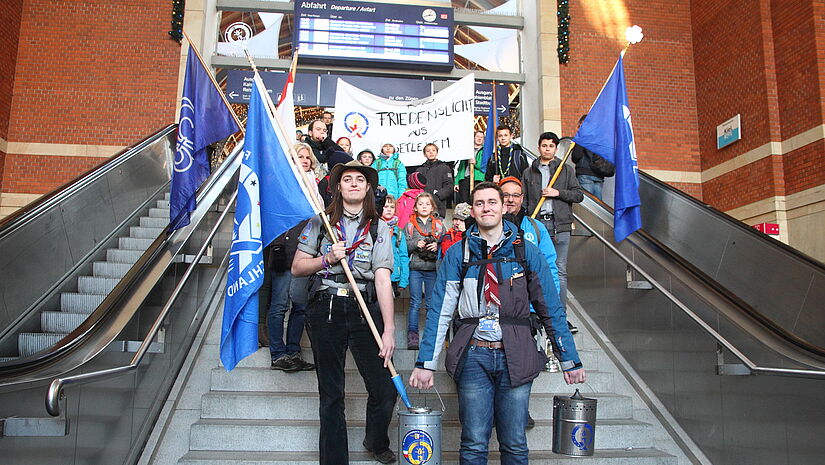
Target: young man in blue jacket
{"points": [[492, 278]]}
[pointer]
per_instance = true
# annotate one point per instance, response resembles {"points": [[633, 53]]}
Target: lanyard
{"points": [[509, 161]]}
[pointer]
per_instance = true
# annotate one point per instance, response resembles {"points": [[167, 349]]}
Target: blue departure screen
{"points": [[376, 33]]}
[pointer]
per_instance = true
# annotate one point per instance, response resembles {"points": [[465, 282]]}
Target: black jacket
{"points": [[581, 158], [500, 167], [322, 149], [439, 183], [570, 192], [282, 249]]}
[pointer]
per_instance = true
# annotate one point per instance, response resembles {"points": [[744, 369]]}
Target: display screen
{"points": [[375, 33]]}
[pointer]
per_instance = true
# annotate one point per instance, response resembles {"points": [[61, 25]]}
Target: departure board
{"points": [[381, 34]]}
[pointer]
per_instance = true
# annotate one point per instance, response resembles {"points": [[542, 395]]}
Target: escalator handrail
{"points": [[113, 300], [750, 364], [46, 201], [55, 392]]}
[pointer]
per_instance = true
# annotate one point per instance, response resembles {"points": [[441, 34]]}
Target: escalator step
{"points": [[73, 302], [110, 270], [96, 284], [7, 359], [61, 322], [159, 213], [144, 233], [131, 243], [149, 222], [163, 204], [123, 256], [31, 343]]}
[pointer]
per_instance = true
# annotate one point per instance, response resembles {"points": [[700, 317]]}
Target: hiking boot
{"points": [[573, 328], [388, 456], [412, 340], [301, 364], [284, 363]]}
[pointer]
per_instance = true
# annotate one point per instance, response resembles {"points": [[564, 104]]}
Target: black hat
{"points": [[367, 171]]}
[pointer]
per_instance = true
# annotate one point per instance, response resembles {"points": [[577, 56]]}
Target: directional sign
{"points": [[397, 89], [483, 97], [239, 86]]}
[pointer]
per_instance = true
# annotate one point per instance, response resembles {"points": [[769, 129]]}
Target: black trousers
{"points": [[335, 324]]}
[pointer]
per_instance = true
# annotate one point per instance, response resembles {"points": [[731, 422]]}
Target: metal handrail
{"points": [[751, 365], [55, 392]]}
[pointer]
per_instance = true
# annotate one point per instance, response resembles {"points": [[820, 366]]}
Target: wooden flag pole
{"points": [[320, 206], [214, 82], [553, 179]]}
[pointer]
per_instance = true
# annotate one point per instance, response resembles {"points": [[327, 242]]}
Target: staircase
{"points": [[257, 416], [75, 307]]}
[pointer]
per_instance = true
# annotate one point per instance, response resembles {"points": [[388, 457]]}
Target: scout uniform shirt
{"points": [[363, 260]]}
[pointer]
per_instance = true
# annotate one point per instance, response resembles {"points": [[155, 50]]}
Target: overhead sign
{"points": [[397, 89], [445, 119], [239, 86], [388, 34], [484, 97]]}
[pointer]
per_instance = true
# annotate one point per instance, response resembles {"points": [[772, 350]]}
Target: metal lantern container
{"points": [[574, 425], [419, 436]]}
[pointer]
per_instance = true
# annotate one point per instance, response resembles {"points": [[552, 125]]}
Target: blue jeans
{"points": [[592, 184], [275, 318], [484, 396], [562, 242], [419, 280]]}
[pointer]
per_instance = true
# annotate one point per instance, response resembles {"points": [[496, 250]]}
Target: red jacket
{"points": [[449, 238]]}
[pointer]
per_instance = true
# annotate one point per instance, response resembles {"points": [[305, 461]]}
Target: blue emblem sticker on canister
{"points": [[582, 436], [417, 447]]}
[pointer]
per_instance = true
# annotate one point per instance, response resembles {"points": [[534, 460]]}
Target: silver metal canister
{"points": [[574, 425], [419, 436]]}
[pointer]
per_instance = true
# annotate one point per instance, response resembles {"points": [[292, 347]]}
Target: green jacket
{"points": [[479, 168]]}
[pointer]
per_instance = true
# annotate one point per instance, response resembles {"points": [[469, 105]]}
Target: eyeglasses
{"points": [[512, 196]]}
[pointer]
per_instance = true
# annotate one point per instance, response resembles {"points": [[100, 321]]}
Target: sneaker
{"points": [[530, 422], [412, 340], [573, 328], [284, 363], [388, 456], [301, 364]]}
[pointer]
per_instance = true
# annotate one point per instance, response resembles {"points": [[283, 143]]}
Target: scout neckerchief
{"points": [[360, 237], [491, 280], [435, 222]]}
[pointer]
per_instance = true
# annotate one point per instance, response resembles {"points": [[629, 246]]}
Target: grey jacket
{"points": [[435, 228], [570, 192]]}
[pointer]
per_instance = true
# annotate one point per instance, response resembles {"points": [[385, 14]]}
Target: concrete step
{"points": [[167, 196], [139, 232], [643, 456], [159, 213], [31, 343], [149, 222], [61, 322], [96, 285], [73, 302], [123, 256], [302, 435], [131, 243], [110, 270], [163, 204], [266, 380], [304, 405]]}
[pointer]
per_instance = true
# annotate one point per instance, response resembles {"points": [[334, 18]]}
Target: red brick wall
{"points": [[92, 72], [37, 174], [740, 187], [659, 75], [10, 25], [804, 168]]}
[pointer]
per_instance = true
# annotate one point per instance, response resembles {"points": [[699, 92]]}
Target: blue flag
{"points": [[607, 131], [271, 200], [204, 119], [490, 135]]}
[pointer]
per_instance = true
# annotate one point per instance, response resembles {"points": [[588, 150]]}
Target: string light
{"points": [[563, 15], [178, 7]]}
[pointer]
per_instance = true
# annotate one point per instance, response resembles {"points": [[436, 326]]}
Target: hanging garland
{"points": [[563, 13], [178, 7]]}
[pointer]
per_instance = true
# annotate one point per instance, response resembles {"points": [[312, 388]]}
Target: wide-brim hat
{"points": [[368, 172]]}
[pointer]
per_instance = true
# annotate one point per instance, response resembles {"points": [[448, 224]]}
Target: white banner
{"points": [[445, 119]]}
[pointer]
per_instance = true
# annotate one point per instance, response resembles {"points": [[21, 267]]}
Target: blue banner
{"points": [[607, 131], [204, 119], [490, 135], [271, 199]]}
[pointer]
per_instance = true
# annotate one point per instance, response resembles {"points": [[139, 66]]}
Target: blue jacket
{"points": [[401, 259], [392, 174], [520, 287], [544, 242]]}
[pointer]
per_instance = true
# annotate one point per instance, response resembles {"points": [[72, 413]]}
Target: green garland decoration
{"points": [[178, 7], [563, 14]]}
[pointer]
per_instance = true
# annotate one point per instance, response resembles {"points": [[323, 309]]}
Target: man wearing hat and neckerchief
{"points": [[334, 319]]}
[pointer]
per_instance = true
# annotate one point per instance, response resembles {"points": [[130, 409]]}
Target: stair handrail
{"points": [[42, 204], [721, 340], [55, 393]]}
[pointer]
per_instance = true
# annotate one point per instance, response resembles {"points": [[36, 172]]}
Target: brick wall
{"points": [[10, 25], [659, 75], [88, 72]]}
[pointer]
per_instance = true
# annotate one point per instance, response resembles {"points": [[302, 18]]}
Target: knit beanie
{"points": [[416, 180]]}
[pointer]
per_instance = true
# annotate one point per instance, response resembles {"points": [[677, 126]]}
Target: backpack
{"points": [[535, 228], [303, 288]]}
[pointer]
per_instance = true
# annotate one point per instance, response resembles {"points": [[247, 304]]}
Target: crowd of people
{"points": [[508, 239]]}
